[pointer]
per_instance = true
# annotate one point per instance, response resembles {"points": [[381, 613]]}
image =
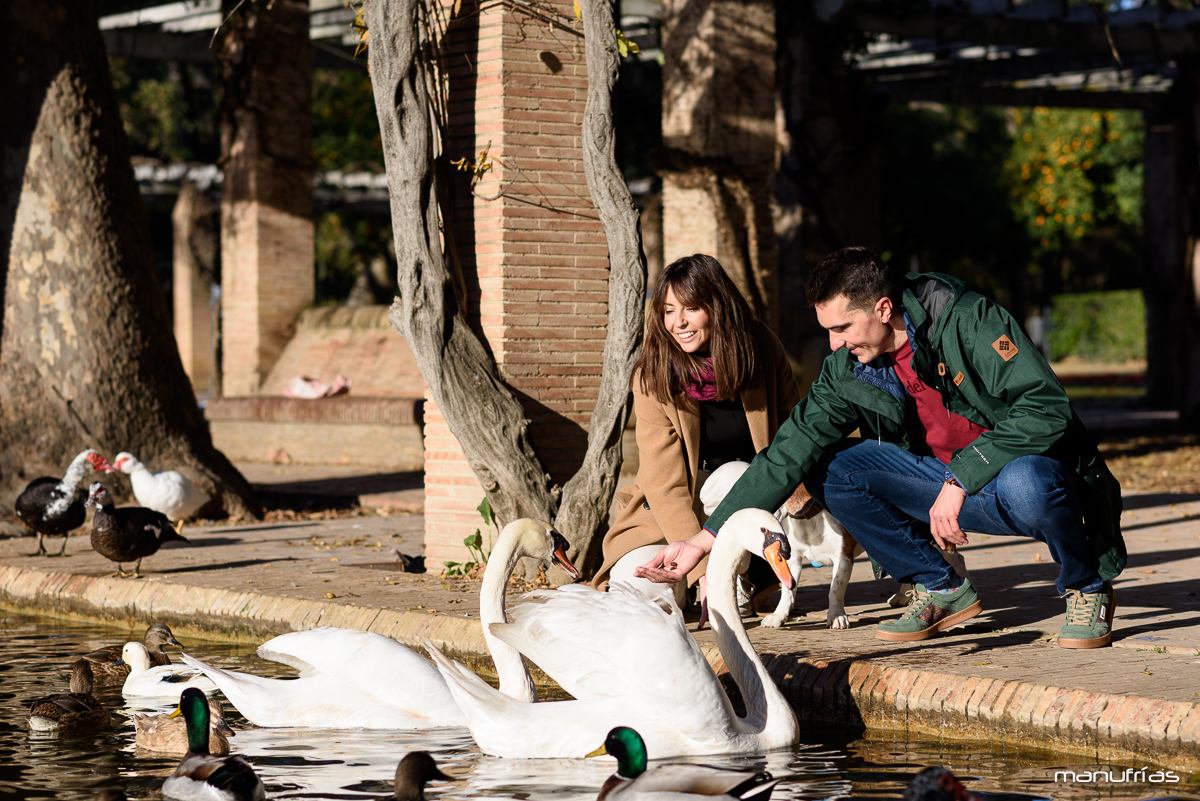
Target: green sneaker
{"points": [[931, 612], [1089, 618]]}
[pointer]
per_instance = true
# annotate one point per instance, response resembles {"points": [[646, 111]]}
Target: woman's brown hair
{"points": [[665, 368]]}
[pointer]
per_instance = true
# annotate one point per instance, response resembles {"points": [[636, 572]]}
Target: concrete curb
{"points": [[854, 693]]}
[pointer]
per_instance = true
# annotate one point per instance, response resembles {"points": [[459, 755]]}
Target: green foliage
{"points": [[168, 109], [1099, 326], [474, 543], [345, 126], [343, 244]]}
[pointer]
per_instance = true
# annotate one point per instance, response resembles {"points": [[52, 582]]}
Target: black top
{"points": [[724, 432]]}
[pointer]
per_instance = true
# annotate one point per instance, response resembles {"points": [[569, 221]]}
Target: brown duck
{"points": [[77, 710], [106, 662], [129, 533]]}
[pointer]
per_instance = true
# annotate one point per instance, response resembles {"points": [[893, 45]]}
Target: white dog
{"points": [[815, 537]]}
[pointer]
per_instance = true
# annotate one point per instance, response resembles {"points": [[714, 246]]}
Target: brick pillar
{"points": [[266, 200], [191, 289], [534, 260], [719, 106]]}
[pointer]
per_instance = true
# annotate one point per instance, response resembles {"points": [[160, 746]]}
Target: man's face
{"points": [[865, 333]]}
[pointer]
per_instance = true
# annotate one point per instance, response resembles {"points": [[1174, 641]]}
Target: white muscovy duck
{"points": [[166, 491], [357, 679], [628, 660], [54, 507], [165, 681]]}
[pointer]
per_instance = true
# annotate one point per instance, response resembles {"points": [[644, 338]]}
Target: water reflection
{"points": [[35, 655]]}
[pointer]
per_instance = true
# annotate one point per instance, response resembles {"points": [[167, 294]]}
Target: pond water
{"points": [[321, 764]]}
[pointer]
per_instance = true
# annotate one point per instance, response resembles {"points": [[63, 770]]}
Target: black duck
{"points": [[54, 507], [412, 773], [129, 533]]}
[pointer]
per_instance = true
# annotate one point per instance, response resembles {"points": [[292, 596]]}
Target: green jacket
{"points": [[975, 354]]}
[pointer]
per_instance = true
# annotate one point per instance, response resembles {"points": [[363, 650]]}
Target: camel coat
{"points": [[661, 505]]}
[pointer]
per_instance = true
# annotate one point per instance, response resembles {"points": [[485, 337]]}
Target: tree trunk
{"points": [[480, 411], [87, 357]]}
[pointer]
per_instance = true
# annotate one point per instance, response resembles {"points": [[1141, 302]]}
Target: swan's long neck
{"points": [[768, 715], [515, 680]]}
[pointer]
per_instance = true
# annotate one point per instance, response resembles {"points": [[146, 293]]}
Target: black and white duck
{"points": [[54, 507], [75, 711], [680, 782], [202, 776], [412, 773], [129, 533], [106, 662]]}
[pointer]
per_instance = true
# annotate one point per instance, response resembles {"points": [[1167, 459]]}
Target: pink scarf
{"points": [[704, 388]]}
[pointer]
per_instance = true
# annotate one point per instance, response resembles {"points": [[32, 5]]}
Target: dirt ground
{"points": [[1158, 462]]}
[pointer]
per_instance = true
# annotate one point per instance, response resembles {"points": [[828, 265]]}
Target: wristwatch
{"points": [[952, 481]]}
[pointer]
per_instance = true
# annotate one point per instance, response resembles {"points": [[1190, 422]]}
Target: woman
{"points": [[712, 386]]}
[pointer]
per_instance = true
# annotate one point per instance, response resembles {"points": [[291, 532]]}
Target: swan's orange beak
{"points": [[559, 555], [777, 550]]}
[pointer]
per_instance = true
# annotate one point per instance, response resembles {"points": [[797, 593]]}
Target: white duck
{"points": [[629, 661], [357, 679], [165, 681], [166, 491]]}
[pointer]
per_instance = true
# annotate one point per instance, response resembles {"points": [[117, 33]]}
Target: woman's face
{"points": [[688, 325]]}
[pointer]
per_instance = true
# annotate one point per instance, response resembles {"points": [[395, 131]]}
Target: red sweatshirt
{"points": [[943, 431]]}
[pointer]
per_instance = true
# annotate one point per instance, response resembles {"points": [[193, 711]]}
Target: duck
{"points": [[202, 776], [54, 507], [167, 734], [129, 533], [358, 679], [111, 795], [75, 711], [413, 772], [937, 784], [167, 491], [166, 681], [626, 658], [682, 782], [107, 662]]}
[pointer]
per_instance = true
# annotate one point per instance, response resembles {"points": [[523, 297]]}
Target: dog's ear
{"points": [[802, 505]]}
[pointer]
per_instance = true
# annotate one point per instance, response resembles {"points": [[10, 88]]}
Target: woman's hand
{"points": [[676, 560]]}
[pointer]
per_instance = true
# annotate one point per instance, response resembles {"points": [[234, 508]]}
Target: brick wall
{"points": [[535, 260]]}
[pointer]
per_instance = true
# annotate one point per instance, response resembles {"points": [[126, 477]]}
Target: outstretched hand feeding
{"points": [[676, 560]]}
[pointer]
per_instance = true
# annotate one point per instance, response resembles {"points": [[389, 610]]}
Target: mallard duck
{"points": [[937, 784], [158, 682], [166, 491], [54, 507], [348, 678], [111, 795], [77, 710], [628, 659], [681, 782], [129, 533], [107, 661], [412, 773], [167, 734], [202, 776]]}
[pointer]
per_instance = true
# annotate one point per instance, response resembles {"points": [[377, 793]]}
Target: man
{"points": [[964, 426]]}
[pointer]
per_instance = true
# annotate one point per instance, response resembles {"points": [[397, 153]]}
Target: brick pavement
{"points": [[999, 678]]}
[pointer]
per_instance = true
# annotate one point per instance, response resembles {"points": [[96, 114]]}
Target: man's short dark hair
{"points": [[855, 272]]}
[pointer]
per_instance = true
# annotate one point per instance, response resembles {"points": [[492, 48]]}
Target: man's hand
{"points": [[943, 516], [677, 559]]}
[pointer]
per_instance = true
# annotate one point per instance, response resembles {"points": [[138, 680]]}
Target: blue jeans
{"points": [[877, 491]]}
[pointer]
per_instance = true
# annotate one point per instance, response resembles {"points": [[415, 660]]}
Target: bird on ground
{"points": [[107, 663], [202, 776], [129, 533], [167, 734], [937, 784], [357, 679], [54, 507], [627, 658], [75, 711], [678, 782], [166, 491], [165, 681], [412, 773]]}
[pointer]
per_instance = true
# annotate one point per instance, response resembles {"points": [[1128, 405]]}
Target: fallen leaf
{"points": [[333, 559], [980, 664], [330, 595]]}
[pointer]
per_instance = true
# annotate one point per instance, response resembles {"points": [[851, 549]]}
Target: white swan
{"points": [[164, 681], [357, 679], [629, 661]]}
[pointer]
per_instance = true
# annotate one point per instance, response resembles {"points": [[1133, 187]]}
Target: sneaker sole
{"points": [[924, 634], [1094, 642]]}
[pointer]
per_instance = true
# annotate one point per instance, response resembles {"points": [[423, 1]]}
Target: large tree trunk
{"points": [[87, 357], [480, 411]]}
